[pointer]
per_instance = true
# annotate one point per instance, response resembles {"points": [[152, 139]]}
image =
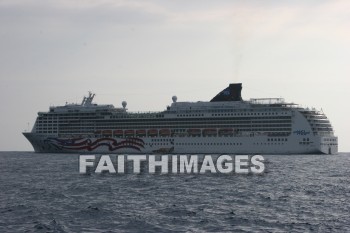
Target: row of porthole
{"points": [[264, 143], [330, 140], [248, 114], [210, 144], [234, 114], [277, 139], [190, 115], [161, 140], [198, 144], [160, 144]]}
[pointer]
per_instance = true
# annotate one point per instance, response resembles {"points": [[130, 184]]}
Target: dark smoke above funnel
{"points": [[231, 93]]}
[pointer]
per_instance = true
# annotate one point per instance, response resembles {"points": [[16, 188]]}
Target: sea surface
{"points": [[297, 193]]}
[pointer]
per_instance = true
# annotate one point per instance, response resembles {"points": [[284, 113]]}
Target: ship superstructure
{"points": [[225, 125]]}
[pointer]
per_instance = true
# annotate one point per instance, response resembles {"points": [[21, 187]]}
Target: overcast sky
{"points": [[145, 52]]}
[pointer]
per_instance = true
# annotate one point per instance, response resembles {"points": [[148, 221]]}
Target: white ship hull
{"points": [[182, 145]]}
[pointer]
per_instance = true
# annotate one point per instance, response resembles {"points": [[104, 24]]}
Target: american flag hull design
{"points": [[87, 144]]}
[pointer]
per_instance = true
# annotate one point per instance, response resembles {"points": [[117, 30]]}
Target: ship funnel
{"points": [[231, 93]]}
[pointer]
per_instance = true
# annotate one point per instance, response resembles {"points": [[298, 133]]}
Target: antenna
{"points": [[88, 100]]}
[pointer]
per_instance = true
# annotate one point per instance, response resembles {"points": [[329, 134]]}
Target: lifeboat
{"points": [[107, 132], [226, 132], [209, 132], [141, 132], [118, 133], [152, 132], [129, 133], [194, 132], [164, 132]]}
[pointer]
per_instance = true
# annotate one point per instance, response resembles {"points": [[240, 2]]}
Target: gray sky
{"points": [[146, 51]]}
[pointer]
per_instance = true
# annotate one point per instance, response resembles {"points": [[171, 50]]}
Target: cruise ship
{"points": [[226, 124]]}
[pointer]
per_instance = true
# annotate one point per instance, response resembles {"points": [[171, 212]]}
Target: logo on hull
{"points": [[90, 145], [301, 132]]}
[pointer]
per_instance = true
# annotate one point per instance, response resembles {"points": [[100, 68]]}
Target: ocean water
{"points": [[298, 193]]}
